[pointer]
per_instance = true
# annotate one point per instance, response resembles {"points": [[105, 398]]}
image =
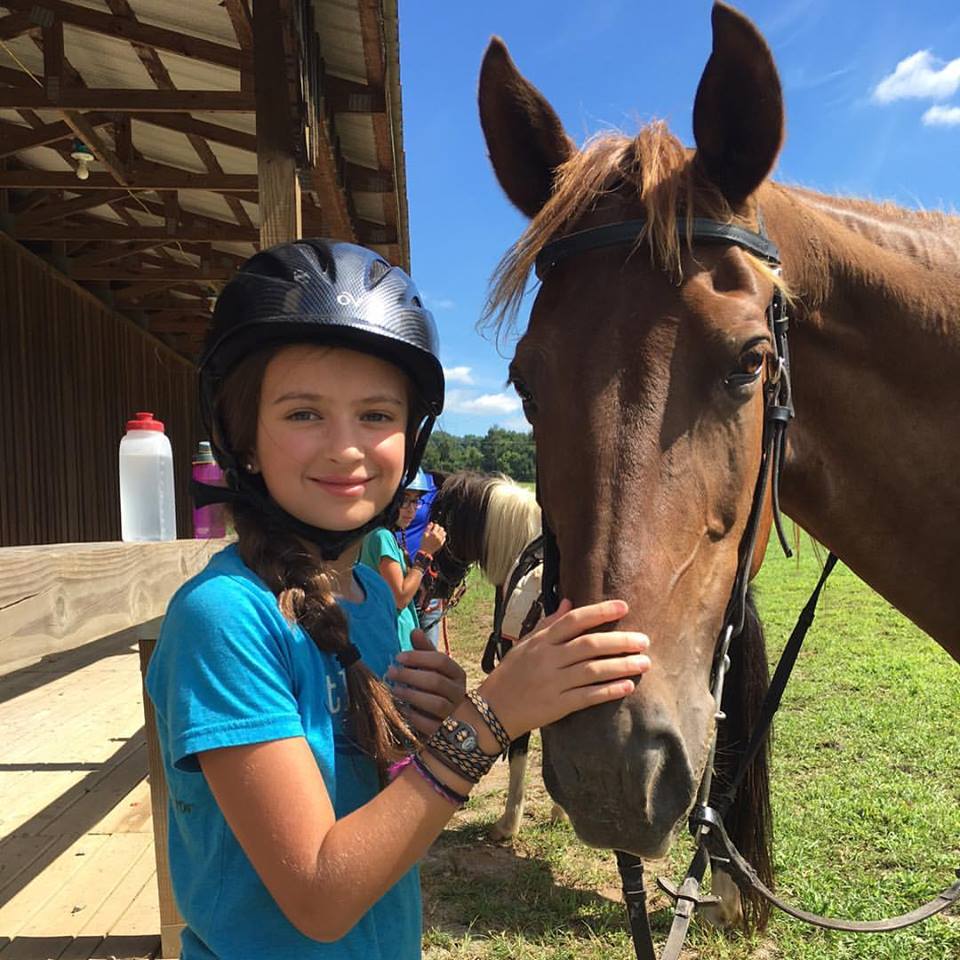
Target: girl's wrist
{"points": [[451, 780]]}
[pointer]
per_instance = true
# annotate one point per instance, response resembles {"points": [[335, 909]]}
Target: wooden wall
{"points": [[71, 374]]}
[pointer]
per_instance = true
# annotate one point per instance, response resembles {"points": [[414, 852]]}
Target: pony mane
{"points": [[657, 168], [513, 520]]}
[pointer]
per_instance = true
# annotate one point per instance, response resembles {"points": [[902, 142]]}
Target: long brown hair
{"points": [[302, 585]]}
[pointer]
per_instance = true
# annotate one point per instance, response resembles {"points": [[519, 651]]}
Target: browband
{"points": [[631, 231]]}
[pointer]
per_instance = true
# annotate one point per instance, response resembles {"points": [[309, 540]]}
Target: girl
{"points": [[320, 385], [382, 552]]}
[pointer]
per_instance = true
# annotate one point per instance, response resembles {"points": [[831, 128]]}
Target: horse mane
{"points": [[749, 821], [513, 520], [656, 167]]}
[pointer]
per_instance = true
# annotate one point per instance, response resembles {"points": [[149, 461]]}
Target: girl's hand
{"points": [[429, 683], [433, 538], [562, 667]]}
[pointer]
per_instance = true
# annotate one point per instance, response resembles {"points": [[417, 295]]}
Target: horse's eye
{"points": [[526, 398], [751, 362], [749, 368]]}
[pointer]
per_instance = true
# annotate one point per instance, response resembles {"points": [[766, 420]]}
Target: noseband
{"points": [[706, 821]]}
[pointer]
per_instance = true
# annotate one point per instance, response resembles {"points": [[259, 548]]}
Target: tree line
{"points": [[500, 451]]}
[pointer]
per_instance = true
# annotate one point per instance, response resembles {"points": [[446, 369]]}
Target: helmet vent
{"points": [[416, 302], [378, 270]]}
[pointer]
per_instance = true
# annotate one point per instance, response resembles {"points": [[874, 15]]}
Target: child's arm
{"points": [[403, 586], [326, 873]]}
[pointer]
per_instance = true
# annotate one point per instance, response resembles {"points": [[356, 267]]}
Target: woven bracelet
{"points": [[490, 719]]}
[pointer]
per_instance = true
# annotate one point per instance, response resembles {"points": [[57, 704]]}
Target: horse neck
{"points": [[873, 465]]}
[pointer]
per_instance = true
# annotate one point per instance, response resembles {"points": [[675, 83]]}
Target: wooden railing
{"points": [[55, 598]]}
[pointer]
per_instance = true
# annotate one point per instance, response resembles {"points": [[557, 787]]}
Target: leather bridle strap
{"points": [[633, 232]]}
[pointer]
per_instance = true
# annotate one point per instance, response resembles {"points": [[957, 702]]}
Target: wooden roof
{"points": [[184, 112]]}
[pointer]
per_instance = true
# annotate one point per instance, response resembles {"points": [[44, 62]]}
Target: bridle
{"points": [[706, 820]]}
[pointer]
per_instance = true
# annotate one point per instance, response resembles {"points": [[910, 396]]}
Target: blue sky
{"points": [[872, 91]]}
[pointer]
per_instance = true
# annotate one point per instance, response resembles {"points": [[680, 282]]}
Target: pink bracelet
{"points": [[451, 796]]}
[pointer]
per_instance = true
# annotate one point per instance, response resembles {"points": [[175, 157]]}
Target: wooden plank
{"points": [[56, 211], [171, 922], [281, 218], [129, 100], [15, 24], [202, 128], [144, 177], [53, 58], [192, 48], [172, 271], [58, 597], [195, 232], [86, 891], [18, 911]]}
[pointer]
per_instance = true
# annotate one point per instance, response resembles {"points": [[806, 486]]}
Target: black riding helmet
{"points": [[328, 292]]}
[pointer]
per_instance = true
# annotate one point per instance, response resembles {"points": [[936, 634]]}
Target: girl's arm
{"points": [[404, 586], [325, 873]]}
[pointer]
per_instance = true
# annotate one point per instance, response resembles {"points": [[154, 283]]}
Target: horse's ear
{"points": [[525, 137], [738, 112]]}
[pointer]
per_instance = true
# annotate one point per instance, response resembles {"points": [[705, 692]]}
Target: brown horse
{"points": [[635, 373]]}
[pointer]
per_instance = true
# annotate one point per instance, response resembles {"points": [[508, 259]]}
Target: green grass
{"points": [[866, 784]]}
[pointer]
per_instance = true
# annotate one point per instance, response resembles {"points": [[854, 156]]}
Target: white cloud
{"points": [[942, 117], [459, 402], [458, 375], [438, 303], [921, 76]]}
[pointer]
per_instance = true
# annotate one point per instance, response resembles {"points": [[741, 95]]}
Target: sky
{"points": [[872, 98]]}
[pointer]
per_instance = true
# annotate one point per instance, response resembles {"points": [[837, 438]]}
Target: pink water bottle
{"points": [[208, 522]]}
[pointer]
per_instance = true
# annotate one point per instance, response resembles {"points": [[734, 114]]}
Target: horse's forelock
{"points": [[656, 168]]}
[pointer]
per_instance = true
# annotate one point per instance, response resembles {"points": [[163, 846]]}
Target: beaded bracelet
{"points": [[459, 800], [422, 561], [490, 719]]}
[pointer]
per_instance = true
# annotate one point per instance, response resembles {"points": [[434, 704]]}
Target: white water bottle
{"points": [[147, 507]]}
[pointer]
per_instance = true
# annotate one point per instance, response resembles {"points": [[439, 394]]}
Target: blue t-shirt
{"points": [[228, 669], [378, 544]]}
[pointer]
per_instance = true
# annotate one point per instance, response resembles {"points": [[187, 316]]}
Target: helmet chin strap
{"points": [[244, 488]]}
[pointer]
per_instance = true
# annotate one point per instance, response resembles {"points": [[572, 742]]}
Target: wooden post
{"points": [[171, 922], [280, 206]]}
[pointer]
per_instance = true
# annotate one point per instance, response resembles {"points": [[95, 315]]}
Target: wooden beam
{"points": [[193, 48], [348, 96], [376, 233], [111, 253], [242, 23], [147, 275], [143, 177], [230, 233], [202, 128], [197, 324], [15, 24], [22, 138], [365, 180], [53, 59], [281, 218], [57, 211], [129, 100], [85, 131]]}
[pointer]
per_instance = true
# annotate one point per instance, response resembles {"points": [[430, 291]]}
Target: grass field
{"points": [[866, 781]]}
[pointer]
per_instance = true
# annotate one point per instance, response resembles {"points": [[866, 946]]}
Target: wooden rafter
{"points": [[170, 40], [130, 101], [113, 253], [230, 233], [145, 177], [161, 77], [65, 208], [184, 123], [171, 271], [17, 138], [23, 21]]}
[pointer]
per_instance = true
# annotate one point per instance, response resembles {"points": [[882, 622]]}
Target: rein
{"points": [[706, 821]]}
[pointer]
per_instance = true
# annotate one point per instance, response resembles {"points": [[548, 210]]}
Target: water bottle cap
{"points": [[204, 453], [144, 421]]}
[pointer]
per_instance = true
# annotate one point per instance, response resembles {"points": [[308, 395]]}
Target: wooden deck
{"points": [[77, 866]]}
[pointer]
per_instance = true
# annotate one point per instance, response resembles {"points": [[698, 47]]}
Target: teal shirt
{"points": [[228, 669], [382, 543]]}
